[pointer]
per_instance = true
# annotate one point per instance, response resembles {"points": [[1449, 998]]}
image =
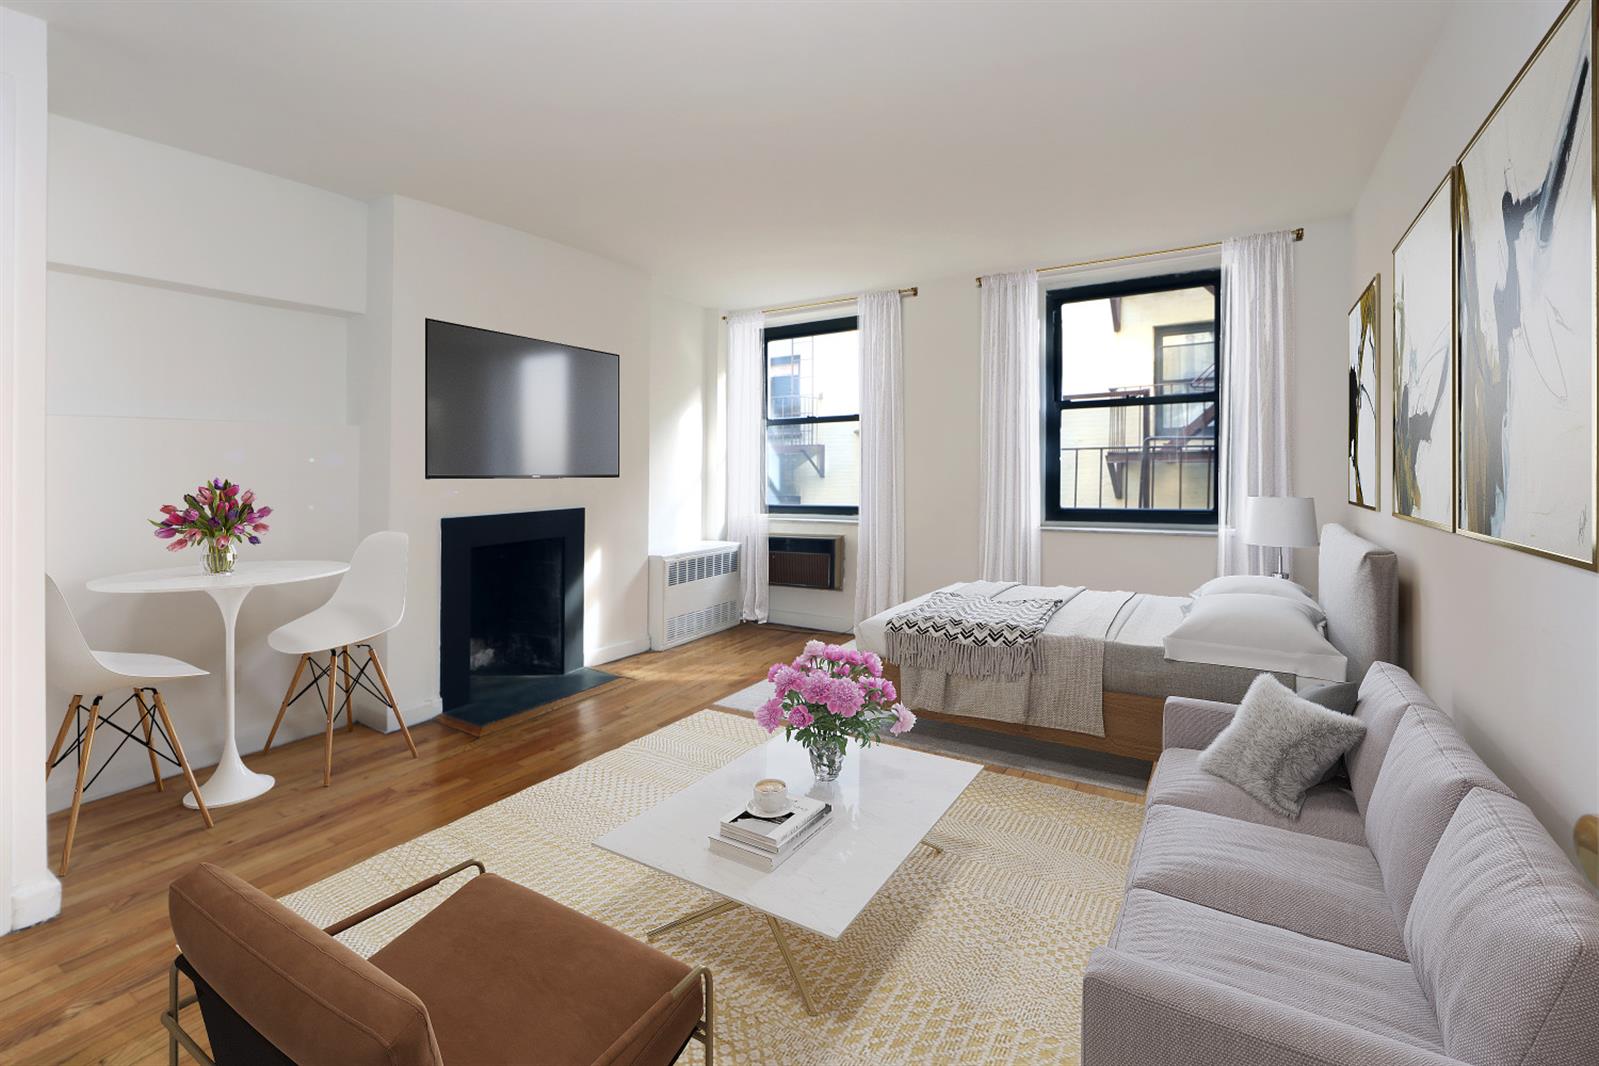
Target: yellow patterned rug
{"points": [[975, 956]]}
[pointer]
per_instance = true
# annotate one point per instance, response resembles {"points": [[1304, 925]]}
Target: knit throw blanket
{"points": [[973, 635]]}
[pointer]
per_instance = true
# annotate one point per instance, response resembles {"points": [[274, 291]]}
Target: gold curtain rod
{"points": [[1299, 235], [821, 303]]}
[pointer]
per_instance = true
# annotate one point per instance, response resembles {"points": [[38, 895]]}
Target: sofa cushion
{"points": [[313, 998], [1332, 981], [1322, 888], [565, 988], [1386, 693], [1428, 771], [1504, 935], [1328, 811]]}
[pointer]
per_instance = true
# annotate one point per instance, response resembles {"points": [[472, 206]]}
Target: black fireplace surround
{"points": [[510, 609]]}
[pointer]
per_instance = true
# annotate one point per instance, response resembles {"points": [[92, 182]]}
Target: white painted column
{"points": [[29, 892]]}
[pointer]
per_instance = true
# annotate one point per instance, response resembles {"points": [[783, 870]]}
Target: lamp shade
{"points": [[1281, 522]]}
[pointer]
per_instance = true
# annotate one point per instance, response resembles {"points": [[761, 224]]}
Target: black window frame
{"points": [[1054, 406], [787, 332]]}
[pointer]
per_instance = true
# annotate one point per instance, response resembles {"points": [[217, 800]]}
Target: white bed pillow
{"points": [[1260, 585], [1255, 631]]}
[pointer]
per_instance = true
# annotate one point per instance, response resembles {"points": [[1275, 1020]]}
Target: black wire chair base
{"points": [[320, 674], [146, 714]]}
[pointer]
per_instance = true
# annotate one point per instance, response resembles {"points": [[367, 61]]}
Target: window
{"points": [[813, 418], [1131, 416]]}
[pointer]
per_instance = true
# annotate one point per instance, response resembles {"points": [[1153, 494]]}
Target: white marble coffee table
{"points": [[887, 799]]}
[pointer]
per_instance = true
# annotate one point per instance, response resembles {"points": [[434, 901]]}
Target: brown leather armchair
{"points": [[495, 974]]}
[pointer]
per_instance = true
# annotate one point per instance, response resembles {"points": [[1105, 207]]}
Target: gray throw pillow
{"points": [[1279, 744], [1340, 696]]}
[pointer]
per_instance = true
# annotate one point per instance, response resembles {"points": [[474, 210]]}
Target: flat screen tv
{"points": [[499, 405]]}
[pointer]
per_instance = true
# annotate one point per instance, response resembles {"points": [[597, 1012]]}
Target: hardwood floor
{"points": [[89, 985]]}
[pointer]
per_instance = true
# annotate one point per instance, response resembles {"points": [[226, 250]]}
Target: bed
{"points": [[1106, 677]]}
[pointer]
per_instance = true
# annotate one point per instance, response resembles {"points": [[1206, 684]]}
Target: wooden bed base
{"points": [[1132, 724]]}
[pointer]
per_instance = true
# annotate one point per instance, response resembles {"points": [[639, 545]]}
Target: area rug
{"points": [[995, 749], [972, 956]]}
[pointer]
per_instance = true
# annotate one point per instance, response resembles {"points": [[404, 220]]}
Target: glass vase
{"points": [[827, 761], [219, 560]]}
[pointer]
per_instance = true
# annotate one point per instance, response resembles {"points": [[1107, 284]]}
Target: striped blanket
{"points": [[973, 635]]}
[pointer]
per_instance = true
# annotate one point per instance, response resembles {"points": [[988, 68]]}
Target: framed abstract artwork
{"points": [[1364, 487], [1424, 364], [1528, 455]]}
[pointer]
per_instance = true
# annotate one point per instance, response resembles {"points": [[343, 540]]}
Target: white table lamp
{"points": [[1281, 522]]}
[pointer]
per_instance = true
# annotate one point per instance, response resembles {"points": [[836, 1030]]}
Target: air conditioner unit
{"points": [[693, 591]]}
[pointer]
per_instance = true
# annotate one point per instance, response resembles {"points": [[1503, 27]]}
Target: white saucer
{"points": [[750, 808]]}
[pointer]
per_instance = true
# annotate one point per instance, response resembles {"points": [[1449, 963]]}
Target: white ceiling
{"points": [[757, 152]]}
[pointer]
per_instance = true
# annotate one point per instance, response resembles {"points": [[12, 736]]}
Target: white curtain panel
{"points": [[746, 458], [1012, 494], [1257, 287], [880, 548]]}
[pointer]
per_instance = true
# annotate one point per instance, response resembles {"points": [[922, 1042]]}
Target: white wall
{"points": [[678, 337], [1504, 641], [124, 205], [199, 318], [29, 892], [449, 266]]}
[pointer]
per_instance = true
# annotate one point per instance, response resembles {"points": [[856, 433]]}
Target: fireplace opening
{"points": [[517, 609], [510, 615]]}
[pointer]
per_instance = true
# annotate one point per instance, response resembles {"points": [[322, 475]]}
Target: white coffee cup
{"points": [[771, 795]]}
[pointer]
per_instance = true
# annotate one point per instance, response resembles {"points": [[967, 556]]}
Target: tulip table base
{"points": [[231, 781]]}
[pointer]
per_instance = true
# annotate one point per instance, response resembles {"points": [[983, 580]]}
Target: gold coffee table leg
{"points": [[726, 905], [934, 848], [793, 967], [689, 919]]}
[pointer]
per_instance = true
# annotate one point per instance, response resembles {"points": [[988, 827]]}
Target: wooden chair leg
{"points": [[327, 743], [388, 693], [283, 708], [183, 761], [61, 734], [147, 720], [349, 693], [77, 790]]}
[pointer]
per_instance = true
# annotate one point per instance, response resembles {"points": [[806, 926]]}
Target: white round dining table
{"points": [[231, 781]]}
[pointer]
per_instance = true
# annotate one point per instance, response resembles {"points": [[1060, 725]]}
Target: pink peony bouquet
{"points": [[829, 695], [218, 514]]}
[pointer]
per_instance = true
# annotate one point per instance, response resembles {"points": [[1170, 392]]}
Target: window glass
{"points": [[813, 430], [1133, 373]]}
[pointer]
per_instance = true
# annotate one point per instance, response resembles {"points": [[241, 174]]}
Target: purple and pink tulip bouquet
{"points": [[828, 696], [217, 514]]}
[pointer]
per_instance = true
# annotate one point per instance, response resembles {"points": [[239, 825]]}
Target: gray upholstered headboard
{"points": [[1359, 584]]}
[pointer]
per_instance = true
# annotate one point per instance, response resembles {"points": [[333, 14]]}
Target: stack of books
{"points": [[766, 842]]}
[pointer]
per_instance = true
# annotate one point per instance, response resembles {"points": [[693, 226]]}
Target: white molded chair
{"points": [[369, 601], [81, 670]]}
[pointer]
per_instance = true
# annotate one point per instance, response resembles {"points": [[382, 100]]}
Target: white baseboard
{"points": [[807, 620], [37, 901], [375, 716], [609, 653]]}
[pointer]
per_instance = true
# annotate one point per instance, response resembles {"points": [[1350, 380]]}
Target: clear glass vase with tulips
{"points": [[218, 515]]}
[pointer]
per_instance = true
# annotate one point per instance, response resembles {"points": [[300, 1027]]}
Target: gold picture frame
{"points": [[1464, 476], [1365, 394], [1398, 331]]}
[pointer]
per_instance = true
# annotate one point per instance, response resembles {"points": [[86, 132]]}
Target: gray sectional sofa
{"points": [[1417, 915]]}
